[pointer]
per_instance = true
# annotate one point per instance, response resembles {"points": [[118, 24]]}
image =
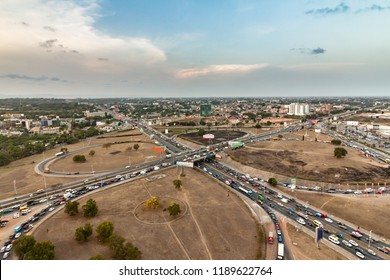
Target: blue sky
{"points": [[172, 48]]}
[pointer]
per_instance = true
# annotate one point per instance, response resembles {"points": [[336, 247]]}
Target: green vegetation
{"points": [[121, 250], [336, 142], [92, 153], [136, 147], [41, 251], [72, 208], [174, 209], [97, 257], [272, 181], [261, 238], [104, 231], [340, 152], [23, 245], [82, 233], [90, 209], [79, 158], [177, 184]]}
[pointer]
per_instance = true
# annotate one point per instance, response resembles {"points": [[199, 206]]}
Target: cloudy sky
{"points": [[188, 48]]}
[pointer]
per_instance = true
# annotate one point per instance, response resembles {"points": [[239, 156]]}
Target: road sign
{"points": [[185, 164]]}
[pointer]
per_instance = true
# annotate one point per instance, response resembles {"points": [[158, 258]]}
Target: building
{"points": [[299, 109], [206, 110]]}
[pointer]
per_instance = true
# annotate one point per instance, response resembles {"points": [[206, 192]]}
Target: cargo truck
{"points": [[280, 251]]}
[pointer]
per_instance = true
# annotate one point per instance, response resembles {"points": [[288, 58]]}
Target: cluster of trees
{"points": [[82, 233], [27, 248], [79, 158], [90, 209], [336, 142], [120, 249]]}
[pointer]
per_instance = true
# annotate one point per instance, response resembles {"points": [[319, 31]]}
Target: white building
{"points": [[299, 109], [352, 123]]}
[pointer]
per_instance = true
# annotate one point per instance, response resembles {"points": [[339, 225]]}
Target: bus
{"points": [[245, 191], [280, 251]]}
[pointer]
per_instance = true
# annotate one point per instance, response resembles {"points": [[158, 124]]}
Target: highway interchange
{"points": [[238, 182]]}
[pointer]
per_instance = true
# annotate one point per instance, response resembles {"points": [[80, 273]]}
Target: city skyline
{"points": [[100, 48]]}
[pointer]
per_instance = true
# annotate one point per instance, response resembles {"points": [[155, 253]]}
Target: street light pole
{"points": [[369, 239]]}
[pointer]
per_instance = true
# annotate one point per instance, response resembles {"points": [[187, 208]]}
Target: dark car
{"points": [[6, 243], [360, 250], [280, 239], [327, 230]]}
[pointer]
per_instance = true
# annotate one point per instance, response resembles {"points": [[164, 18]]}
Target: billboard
{"points": [[159, 149], [235, 144], [185, 164], [208, 136], [319, 234]]}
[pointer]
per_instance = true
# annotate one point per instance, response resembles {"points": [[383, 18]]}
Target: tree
{"points": [[92, 153], [72, 208], [209, 124], [174, 209], [177, 184], [152, 203], [79, 158], [269, 123], [115, 242], [336, 142], [82, 233], [97, 257], [340, 152], [90, 209], [280, 136], [272, 181], [104, 230], [41, 251], [201, 132], [122, 251], [257, 126], [136, 147], [129, 148], [23, 245]]}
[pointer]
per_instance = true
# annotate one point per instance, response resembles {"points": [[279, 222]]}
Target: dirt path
{"points": [[202, 238], [326, 202], [170, 228]]}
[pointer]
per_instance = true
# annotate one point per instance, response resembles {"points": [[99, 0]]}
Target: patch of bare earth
{"points": [[211, 226], [303, 247], [311, 161]]}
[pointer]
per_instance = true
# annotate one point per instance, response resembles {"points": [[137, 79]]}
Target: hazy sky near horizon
{"points": [[189, 48]]}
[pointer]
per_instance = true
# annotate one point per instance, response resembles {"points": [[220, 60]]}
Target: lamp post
{"points": [[369, 240]]}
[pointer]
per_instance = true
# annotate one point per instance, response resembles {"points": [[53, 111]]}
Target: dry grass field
{"points": [[212, 225], [311, 161], [116, 156]]}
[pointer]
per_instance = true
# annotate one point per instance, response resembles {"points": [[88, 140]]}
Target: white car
{"points": [[43, 200], [2, 250], [301, 221], [360, 255], [346, 243], [8, 248], [16, 215], [6, 254], [17, 235], [371, 252], [329, 220], [353, 243], [51, 209]]}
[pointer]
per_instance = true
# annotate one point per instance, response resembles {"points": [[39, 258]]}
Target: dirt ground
{"points": [[370, 212], [302, 247], [211, 226], [26, 180], [311, 161]]}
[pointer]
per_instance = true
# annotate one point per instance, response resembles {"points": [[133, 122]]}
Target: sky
{"points": [[194, 48]]}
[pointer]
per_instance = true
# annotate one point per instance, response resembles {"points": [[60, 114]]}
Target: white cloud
{"points": [[46, 35], [218, 69]]}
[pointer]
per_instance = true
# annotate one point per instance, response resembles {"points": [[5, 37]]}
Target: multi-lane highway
{"points": [[237, 181]]}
